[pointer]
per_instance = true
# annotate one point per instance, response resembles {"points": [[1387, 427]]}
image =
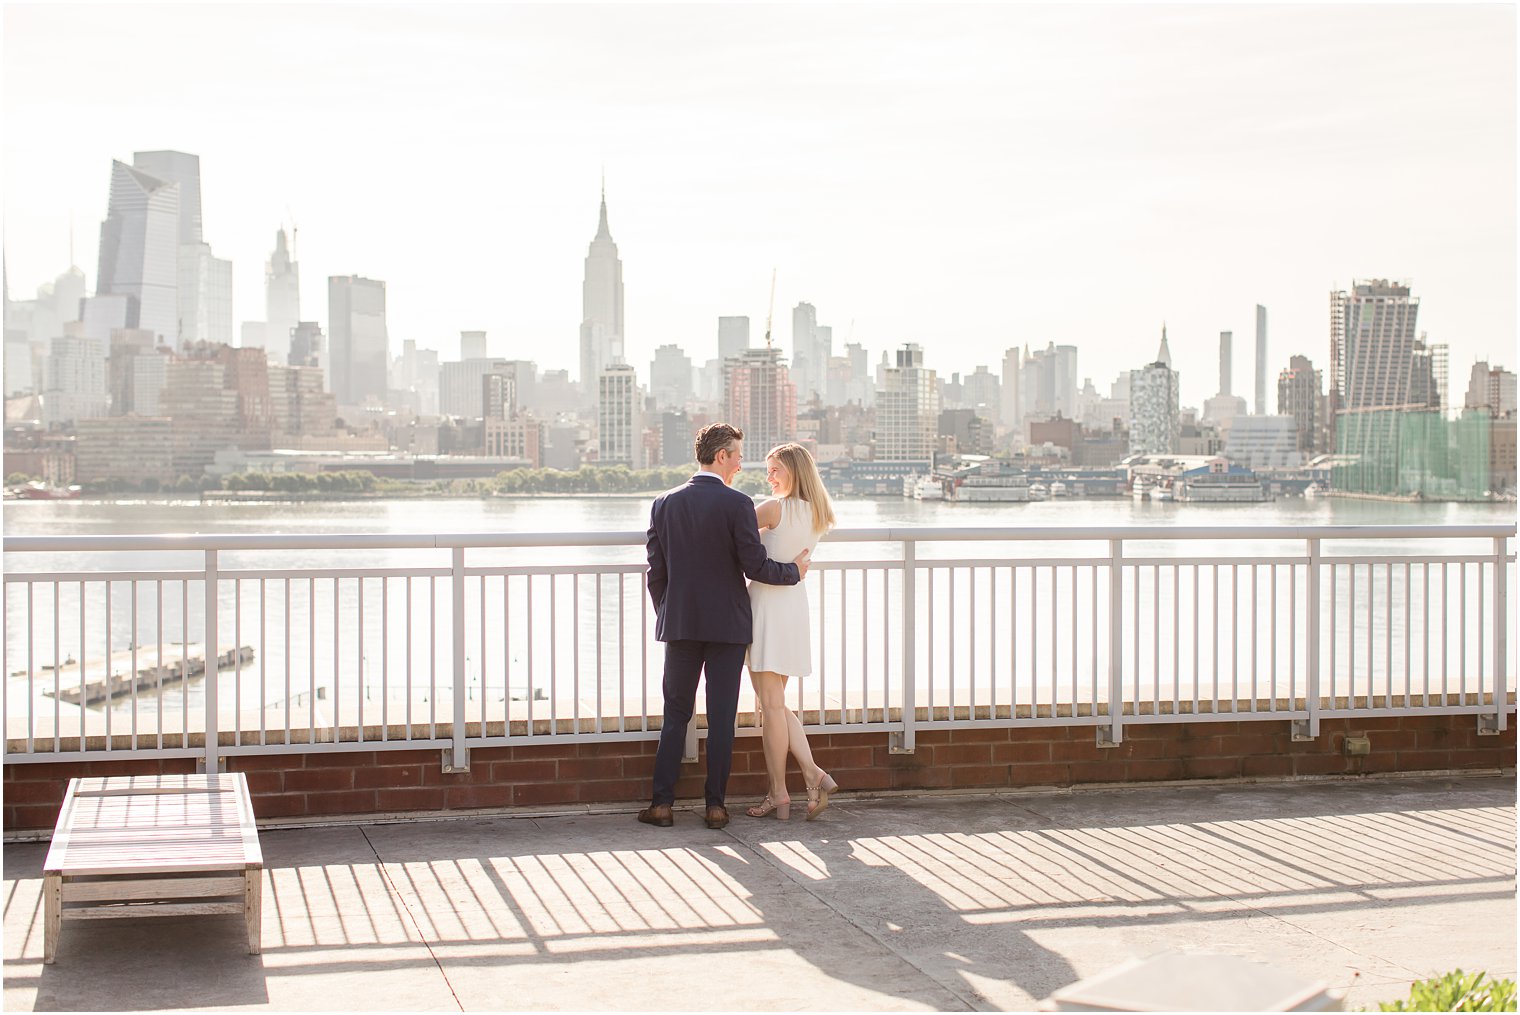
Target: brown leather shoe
{"points": [[657, 814], [717, 817]]}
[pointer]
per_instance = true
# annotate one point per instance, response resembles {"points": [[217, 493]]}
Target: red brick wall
{"points": [[303, 785]]}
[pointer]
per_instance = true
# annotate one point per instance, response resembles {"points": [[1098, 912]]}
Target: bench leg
{"points": [[52, 915], [253, 905]]}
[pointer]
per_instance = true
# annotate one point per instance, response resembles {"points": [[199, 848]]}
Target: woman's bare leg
{"points": [[775, 731], [797, 741]]}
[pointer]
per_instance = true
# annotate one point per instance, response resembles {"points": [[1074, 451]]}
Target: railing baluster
{"points": [[135, 639], [575, 652], [886, 646], [1501, 634], [456, 623], [83, 669], [554, 654], [57, 671], [485, 666], [865, 651], [1155, 639], [909, 644], [622, 654], [311, 672], [1312, 624], [1176, 638], [950, 640], [213, 746], [1076, 635], [1272, 653], [1197, 641], [1115, 640], [1461, 645], [158, 671], [929, 641], [1234, 637], [385, 654], [1013, 641], [600, 669], [1092, 707], [1255, 627]]}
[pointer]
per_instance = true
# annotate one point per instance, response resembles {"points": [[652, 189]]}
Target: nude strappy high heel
{"points": [[782, 810], [818, 796]]}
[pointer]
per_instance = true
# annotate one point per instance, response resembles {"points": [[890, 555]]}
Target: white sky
{"points": [[966, 177]]}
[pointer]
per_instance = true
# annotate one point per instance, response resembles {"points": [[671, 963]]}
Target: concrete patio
{"points": [[953, 902]]}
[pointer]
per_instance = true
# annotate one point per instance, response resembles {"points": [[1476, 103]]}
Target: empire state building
{"points": [[601, 306]]}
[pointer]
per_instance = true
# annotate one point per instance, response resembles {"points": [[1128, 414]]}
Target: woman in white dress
{"points": [[790, 522]]}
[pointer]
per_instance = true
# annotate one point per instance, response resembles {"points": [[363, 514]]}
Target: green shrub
{"points": [[1458, 991]]}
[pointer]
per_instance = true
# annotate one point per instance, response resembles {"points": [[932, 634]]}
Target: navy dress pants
{"points": [[684, 663]]}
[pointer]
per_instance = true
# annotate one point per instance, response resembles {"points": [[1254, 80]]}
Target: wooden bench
{"points": [[153, 845]]}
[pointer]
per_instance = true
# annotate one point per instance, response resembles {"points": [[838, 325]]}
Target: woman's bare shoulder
{"points": [[768, 512]]}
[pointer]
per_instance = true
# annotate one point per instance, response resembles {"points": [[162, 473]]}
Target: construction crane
{"points": [[770, 310]]}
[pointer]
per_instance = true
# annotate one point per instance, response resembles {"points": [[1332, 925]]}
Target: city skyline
{"points": [[1194, 187]]}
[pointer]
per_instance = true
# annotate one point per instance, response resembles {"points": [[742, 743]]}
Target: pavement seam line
{"points": [[411, 918], [791, 877]]}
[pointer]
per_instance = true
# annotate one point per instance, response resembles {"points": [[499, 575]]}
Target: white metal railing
{"points": [[529, 637]]}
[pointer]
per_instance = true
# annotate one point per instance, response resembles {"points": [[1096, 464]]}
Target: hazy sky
{"points": [[969, 178]]}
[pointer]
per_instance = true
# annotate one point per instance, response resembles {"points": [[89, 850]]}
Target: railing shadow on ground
{"points": [[960, 887]]}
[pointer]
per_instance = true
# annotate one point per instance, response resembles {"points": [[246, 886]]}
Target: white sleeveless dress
{"points": [[782, 640]]}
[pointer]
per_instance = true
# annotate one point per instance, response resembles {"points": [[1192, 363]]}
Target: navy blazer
{"points": [[704, 539]]}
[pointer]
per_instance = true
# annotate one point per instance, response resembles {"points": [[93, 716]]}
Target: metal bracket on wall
{"points": [[895, 744], [1488, 724], [455, 766], [689, 751], [1105, 736], [1303, 730]]}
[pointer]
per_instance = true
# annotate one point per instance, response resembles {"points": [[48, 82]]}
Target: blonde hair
{"points": [[807, 485]]}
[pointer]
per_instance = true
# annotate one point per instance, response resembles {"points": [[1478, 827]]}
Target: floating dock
{"points": [[149, 679]]}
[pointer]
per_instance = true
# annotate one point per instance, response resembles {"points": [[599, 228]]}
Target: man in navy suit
{"points": [[704, 540]]}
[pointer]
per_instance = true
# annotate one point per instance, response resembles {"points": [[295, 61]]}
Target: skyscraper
{"points": [[670, 377], [1013, 388], [76, 380], [139, 250], [472, 345], [601, 307], [804, 349], [1372, 347], [619, 417], [761, 400], [1049, 380], [204, 301], [306, 348], [282, 300], [1261, 360], [359, 345], [205, 296], [185, 170], [907, 409], [1155, 423], [733, 337], [1301, 394], [1226, 405]]}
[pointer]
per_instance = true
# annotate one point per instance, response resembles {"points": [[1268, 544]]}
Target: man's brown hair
{"points": [[714, 438]]}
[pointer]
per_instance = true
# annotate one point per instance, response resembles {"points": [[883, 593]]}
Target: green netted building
{"points": [[1413, 453]]}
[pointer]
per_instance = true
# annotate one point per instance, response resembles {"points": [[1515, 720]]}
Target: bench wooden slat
{"points": [[153, 909], [151, 888]]}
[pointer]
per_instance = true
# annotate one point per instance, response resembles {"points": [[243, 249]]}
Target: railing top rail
{"points": [[890, 534]]}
